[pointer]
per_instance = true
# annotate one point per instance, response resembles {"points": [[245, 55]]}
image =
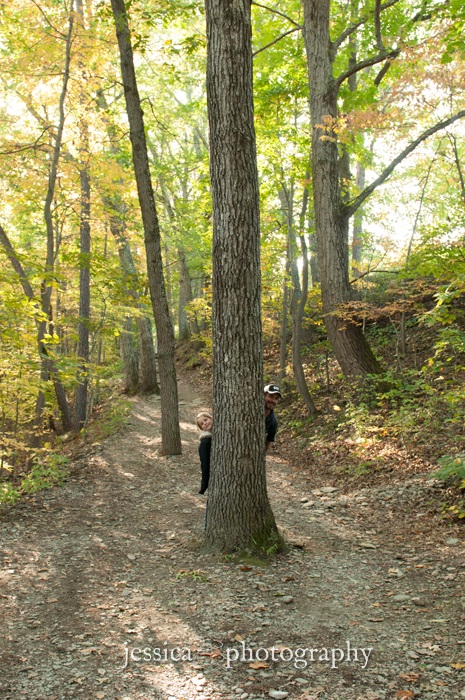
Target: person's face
{"points": [[205, 423], [271, 401]]}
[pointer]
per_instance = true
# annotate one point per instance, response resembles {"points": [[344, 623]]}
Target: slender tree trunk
{"points": [[349, 344], [358, 224], [297, 312], [131, 370], [84, 300], [46, 286], [283, 344], [171, 439], [117, 215], [314, 266], [169, 293], [148, 370], [239, 512], [299, 296], [183, 296]]}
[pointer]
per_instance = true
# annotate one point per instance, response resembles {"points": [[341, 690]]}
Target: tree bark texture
{"points": [[349, 344], [171, 439], [239, 512]]}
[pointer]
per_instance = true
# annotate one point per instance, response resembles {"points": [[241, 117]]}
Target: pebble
{"points": [[400, 598], [278, 694], [286, 599], [452, 540]]}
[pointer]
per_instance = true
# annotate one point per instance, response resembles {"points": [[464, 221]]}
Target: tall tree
{"points": [[239, 512], [332, 213], [47, 282], [171, 439], [84, 237]]}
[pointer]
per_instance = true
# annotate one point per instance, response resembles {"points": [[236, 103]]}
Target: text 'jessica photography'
{"points": [[300, 657]]}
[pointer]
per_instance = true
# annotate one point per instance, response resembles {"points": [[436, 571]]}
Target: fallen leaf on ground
{"points": [[258, 664], [410, 677], [403, 694]]}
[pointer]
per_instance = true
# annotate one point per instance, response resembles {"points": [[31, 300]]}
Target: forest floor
{"points": [[108, 565]]}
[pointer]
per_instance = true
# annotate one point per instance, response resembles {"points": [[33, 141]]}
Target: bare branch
{"points": [[370, 272], [364, 64], [275, 41], [27, 146], [382, 72], [61, 34], [202, 137], [453, 141], [379, 40], [352, 207], [276, 12]]}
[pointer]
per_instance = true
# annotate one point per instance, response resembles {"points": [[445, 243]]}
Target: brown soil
{"points": [[110, 561]]}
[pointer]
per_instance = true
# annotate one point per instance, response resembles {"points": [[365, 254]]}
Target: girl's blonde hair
{"points": [[207, 414]]}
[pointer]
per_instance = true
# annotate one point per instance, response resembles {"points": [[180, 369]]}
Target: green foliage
{"points": [[452, 467], [47, 471], [116, 417], [191, 574]]}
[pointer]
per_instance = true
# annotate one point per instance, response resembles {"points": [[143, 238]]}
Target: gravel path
{"points": [[106, 570]]}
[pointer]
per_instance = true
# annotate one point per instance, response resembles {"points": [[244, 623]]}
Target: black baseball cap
{"points": [[272, 389]]}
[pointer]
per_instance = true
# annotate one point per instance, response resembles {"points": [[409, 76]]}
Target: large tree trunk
{"points": [[349, 344], [239, 512], [170, 434]]}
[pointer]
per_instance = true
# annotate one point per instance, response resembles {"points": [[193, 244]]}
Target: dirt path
{"points": [[107, 566]]}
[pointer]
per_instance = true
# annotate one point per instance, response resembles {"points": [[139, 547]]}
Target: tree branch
{"points": [[383, 71], [453, 141], [291, 31], [379, 40], [365, 64], [352, 207], [276, 12], [350, 30], [370, 272], [27, 146], [15, 263]]}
